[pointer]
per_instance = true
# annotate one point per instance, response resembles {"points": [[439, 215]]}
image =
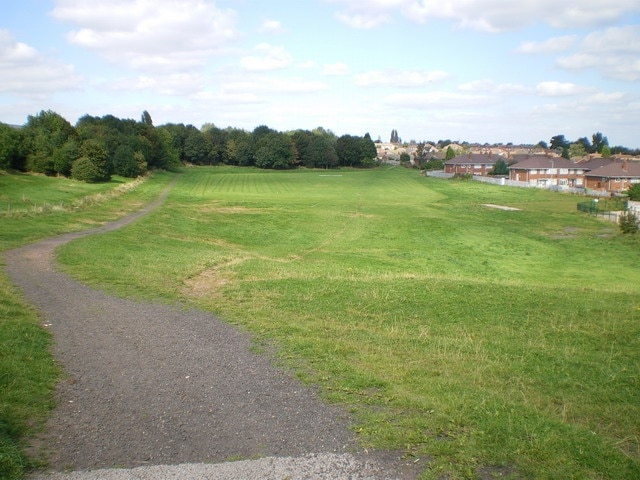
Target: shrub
{"points": [[629, 223], [85, 170], [462, 176]]}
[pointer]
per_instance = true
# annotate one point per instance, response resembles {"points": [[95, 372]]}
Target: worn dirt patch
{"points": [[500, 207]]}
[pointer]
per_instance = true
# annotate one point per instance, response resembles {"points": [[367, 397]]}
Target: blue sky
{"points": [[467, 70]]}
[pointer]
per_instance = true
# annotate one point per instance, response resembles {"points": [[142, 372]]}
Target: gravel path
{"points": [[155, 392]]}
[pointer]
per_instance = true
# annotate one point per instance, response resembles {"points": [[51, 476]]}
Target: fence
{"points": [[516, 183], [591, 207]]}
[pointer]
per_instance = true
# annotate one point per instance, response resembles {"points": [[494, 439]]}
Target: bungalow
{"points": [[474, 163], [544, 171], [614, 177]]}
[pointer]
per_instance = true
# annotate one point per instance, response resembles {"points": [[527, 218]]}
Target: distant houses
{"points": [[612, 175]]}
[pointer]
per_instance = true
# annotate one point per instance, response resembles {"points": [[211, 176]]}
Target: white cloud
{"points": [[27, 72], [177, 84], [552, 45], [487, 15], [401, 79], [271, 27], [615, 52], [490, 87], [560, 89], [262, 85], [335, 69], [269, 58], [149, 35], [436, 99]]}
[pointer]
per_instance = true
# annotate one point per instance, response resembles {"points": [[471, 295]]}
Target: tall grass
{"points": [[473, 339], [27, 369]]}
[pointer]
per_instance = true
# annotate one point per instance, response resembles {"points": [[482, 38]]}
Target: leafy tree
{"points": [[274, 150], [577, 150], [586, 144], [196, 148], [93, 165], [85, 170], [449, 154], [11, 156], [405, 158], [64, 157], [128, 163], [44, 133], [500, 168], [348, 150], [368, 149], [394, 137], [634, 192], [146, 119], [558, 142], [238, 147], [599, 142], [543, 144], [605, 152], [434, 164], [215, 138], [422, 152]]}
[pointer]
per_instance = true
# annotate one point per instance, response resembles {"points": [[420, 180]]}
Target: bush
{"points": [[462, 176], [629, 223], [634, 192], [85, 170]]}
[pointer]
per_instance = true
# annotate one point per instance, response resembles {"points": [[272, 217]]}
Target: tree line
{"points": [[97, 147], [581, 147]]}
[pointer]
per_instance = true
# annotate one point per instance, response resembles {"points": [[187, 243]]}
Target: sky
{"points": [[495, 71]]}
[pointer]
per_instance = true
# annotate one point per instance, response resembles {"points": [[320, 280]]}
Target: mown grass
{"points": [[27, 369], [475, 340]]}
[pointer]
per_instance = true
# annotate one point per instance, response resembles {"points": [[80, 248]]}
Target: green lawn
{"points": [[466, 336], [27, 369]]}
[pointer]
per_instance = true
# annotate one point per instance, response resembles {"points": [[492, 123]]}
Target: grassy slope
{"points": [[468, 335], [27, 370]]}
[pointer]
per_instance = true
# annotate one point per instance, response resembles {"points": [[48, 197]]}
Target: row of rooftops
{"points": [[616, 166]]}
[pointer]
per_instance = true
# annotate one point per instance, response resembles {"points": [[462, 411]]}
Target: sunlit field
{"points": [[470, 338]]}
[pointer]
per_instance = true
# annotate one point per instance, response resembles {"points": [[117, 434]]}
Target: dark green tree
{"points": [[196, 148], [44, 133], [64, 157], [586, 144], [449, 154], [146, 119], [11, 156], [500, 168], [634, 192], [93, 165], [274, 150], [558, 142], [599, 142], [422, 153]]}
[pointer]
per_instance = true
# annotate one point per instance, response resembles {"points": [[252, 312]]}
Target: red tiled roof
{"points": [[617, 170], [542, 161], [475, 158]]}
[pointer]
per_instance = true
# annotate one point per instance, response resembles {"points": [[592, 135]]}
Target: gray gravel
{"points": [[160, 392]]}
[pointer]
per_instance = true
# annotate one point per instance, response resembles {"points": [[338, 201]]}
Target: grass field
{"points": [[34, 207], [475, 340], [466, 336]]}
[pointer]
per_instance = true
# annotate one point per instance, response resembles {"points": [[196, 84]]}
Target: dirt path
{"points": [[148, 384]]}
